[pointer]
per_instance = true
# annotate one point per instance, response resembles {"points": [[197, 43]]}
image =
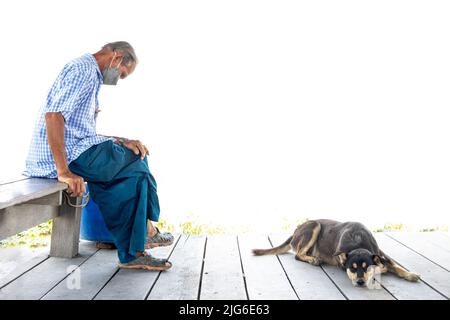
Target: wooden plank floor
{"points": [[209, 267]]}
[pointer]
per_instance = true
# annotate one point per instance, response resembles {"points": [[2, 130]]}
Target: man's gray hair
{"points": [[125, 48]]}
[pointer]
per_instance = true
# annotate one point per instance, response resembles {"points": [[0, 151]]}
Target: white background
{"points": [[256, 112]]}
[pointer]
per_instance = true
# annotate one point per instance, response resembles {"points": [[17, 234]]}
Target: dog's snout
{"points": [[360, 282]]}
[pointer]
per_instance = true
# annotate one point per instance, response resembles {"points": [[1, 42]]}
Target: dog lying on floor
{"points": [[349, 245]]}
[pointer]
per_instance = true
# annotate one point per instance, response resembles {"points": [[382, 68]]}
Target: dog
{"points": [[349, 245]]}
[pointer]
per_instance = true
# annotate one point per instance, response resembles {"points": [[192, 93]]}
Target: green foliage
{"points": [[189, 227], [428, 229], [436, 228], [166, 226], [393, 227], [38, 236], [291, 225], [390, 227]]}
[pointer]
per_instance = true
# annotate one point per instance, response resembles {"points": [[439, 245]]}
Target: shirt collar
{"points": [[95, 64]]}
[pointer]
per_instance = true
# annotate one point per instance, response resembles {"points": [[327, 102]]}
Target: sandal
{"points": [[105, 245], [147, 262], [159, 240]]}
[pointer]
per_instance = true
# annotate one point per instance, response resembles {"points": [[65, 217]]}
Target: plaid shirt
{"points": [[75, 95]]}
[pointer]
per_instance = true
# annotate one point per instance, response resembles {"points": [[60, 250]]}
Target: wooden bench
{"points": [[26, 202]]}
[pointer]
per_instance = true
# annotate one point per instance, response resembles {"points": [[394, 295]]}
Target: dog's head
{"points": [[357, 264]]}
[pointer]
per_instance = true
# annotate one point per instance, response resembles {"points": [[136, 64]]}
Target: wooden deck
{"points": [[222, 267]]}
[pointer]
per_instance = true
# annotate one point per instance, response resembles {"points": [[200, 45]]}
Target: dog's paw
{"points": [[315, 262], [412, 276]]}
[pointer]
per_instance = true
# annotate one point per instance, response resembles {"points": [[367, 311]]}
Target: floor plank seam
{"points": [[421, 280], [284, 270], [106, 283], [335, 284], [23, 273], [242, 268], [159, 272], [395, 298], [187, 238], [429, 285], [202, 270], [67, 275], [47, 289], [416, 252]]}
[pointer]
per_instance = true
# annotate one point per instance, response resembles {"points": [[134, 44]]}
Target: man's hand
{"points": [[76, 183], [137, 147]]}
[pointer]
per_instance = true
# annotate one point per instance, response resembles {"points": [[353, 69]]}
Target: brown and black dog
{"points": [[349, 245]]}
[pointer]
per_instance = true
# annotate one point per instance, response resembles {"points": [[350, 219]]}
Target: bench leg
{"points": [[66, 231]]}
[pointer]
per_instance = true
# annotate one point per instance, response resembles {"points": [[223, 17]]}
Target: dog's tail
{"points": [[283, 248]]}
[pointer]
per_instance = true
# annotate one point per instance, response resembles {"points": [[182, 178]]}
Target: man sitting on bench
{"points": [[65, 145]]}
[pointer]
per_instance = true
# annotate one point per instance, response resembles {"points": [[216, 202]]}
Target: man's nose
{"points": [[360, 282]]}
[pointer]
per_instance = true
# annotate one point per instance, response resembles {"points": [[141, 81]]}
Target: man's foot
{"points": [[147, 262], [105, 245], [159, 239]]}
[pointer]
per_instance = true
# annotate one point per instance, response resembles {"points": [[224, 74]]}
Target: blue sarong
{"points": [[121, 184]]}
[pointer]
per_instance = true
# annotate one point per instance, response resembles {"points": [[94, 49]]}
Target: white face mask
{"points": [[111, 75]]}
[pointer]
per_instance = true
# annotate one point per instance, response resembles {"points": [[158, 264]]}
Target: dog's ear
{"points": [[341, 256], [377, 259]]}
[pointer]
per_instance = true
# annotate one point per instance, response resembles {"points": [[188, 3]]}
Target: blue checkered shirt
{"points": [[75, 95]]}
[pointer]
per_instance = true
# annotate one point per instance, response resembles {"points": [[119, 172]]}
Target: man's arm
{"points": [[118, 140], [135, 145], [54, 122]]}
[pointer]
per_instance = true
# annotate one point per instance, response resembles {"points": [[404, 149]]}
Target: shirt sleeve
{"points": [[66, 95]]}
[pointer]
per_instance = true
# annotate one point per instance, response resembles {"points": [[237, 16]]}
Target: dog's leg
{"points": [[382, 267], [302, 250], [403, 273], [393, 267], [311, 260]]}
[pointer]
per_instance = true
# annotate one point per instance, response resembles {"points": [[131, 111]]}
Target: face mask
{"points": [[111, 75]]}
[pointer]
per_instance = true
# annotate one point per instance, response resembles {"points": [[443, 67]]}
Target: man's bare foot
{"points": [[147, 262], [151, 231], [160, 239], [105, 245]]}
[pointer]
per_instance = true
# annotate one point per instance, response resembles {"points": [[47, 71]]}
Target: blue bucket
{"points": [[93, 227]]}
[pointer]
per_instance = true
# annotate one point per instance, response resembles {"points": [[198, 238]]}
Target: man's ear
{"points": [[341, 256]]}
